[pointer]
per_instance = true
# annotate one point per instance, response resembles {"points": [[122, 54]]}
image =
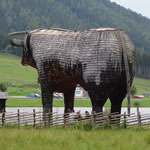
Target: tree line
{"points": [[143, 64]]}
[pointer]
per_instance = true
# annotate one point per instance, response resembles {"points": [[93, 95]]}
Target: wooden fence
{"points": [[55, 119]]}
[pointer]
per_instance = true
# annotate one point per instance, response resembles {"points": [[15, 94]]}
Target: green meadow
{"points": [[73, 138], [22, 80]]}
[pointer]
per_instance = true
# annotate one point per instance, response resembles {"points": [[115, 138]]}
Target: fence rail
{"points": [[54, 119]]}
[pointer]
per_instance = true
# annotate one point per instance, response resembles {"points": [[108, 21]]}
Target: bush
{"points": [[136, 104], [3, 87], [133, 90]]}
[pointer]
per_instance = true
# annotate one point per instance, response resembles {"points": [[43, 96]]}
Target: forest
{"points": [[18, 15]]}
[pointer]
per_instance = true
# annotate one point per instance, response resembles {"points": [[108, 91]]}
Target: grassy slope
{"points": [[23, 80], [143, 85], [73, 139], [12, 70]]}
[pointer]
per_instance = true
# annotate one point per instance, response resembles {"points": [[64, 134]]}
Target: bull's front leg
{"points": [[47, 96], [69, 100], [46, 89], [46, 86], [47, 100], [69, 104]]}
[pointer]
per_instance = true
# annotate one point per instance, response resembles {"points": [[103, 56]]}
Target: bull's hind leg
{"points": [[98, 98], [116, 98]]}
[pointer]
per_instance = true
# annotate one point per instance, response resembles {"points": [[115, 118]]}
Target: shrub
{"points": [[136, 104], [133, 90], [3, 87]]}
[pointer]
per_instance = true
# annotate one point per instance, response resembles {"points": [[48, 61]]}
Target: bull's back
{"points": [[98, 53], [104, 54]]}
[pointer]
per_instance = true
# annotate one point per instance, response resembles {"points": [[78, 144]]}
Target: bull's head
{"points": [[27, 58]]}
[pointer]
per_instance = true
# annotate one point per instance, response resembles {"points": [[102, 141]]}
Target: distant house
{"points": [[80, 92]]}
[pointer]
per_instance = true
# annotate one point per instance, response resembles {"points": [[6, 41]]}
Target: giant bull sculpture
{"points": [[101, 60]]}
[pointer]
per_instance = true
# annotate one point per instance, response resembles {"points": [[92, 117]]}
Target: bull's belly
{"points": [[63, 86], [66, 83], [62, 81]]}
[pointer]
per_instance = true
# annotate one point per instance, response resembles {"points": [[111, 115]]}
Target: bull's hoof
{"points": [[47, 116], [69, 111]]}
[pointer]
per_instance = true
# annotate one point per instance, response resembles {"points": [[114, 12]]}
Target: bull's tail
{"points": [[126, 64]]}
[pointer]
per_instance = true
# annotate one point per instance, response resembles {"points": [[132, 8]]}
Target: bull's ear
{"points": [[17, 42]]}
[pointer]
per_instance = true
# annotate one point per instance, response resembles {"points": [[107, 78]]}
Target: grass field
{"points": [[73, 138], [33, 102], [22, 80]]}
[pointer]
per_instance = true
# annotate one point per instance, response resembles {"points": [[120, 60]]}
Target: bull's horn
{"points": [[20, 32], [17, 43]]}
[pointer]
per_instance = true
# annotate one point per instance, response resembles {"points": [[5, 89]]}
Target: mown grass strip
{"points": [[59, 102]]}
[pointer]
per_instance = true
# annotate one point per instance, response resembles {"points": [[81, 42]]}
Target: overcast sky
{"points": [[139, 6]]}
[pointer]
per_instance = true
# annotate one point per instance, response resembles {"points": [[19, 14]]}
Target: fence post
{"points": [[109, 119], [93, 118], [138, 110], [34, 121], [79, 116], [87, 115], [18, 117], [125, 121], [41, 114], [49, 117], [44, 117], [66, 119], [139, 118], [3, 118]]}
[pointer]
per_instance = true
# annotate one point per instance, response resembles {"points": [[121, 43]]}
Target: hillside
{"points": [[20, 79], [82, 14], [12, 69]]}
